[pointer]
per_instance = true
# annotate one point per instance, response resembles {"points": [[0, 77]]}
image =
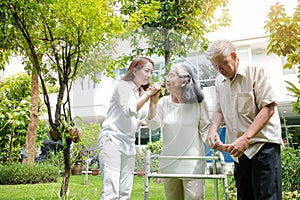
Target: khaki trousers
{"points": [[178, 189]]}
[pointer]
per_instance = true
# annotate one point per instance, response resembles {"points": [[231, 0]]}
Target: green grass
{"points": [[79, 191]]}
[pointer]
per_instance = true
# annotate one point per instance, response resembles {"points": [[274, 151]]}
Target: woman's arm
{"points": [[153, 105], [152, 90], [204, 121], [142, 100]]}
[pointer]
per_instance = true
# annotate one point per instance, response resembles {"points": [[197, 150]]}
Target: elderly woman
{"points": [[183, 117]]}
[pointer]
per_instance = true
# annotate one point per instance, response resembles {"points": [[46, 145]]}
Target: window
{"points": [[122, 72], [145, 135], [245, 54]]}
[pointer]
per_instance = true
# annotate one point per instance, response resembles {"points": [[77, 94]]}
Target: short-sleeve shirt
{"points": [[241, 99]]}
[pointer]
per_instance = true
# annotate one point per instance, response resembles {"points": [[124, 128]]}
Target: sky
{"points": [[248, 17]]}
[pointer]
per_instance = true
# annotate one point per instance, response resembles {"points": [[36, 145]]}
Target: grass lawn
{"points": [[79, 191]]}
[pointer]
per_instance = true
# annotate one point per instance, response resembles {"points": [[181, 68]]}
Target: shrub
{"points": [[56, 160], [154, 147], [27, 174], [290, 169]]}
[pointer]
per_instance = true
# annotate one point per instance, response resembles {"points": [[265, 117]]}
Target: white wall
{"points": [[92, 104]]}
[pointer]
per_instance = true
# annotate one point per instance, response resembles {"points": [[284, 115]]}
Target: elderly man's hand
{"points": [[238, 147]]}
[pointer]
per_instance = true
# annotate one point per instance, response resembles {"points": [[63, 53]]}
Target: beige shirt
{"points": [[240, 100]]}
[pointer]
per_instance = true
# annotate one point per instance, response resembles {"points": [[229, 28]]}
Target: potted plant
{"points": [[76, 159], [95, 172], [95, 169], [76, 169]]}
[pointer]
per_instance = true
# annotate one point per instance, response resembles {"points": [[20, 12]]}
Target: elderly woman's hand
{"points": [[213, 139]]}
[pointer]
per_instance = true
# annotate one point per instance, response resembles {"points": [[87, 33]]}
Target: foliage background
{"points": [[14, 117]]}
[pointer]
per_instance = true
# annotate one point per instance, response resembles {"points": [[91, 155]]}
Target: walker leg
{"points": [[216, 192]]}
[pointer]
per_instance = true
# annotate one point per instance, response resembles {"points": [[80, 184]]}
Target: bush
{"points": [[290, 169], [56, 160], [27, 174], [154, 147]]}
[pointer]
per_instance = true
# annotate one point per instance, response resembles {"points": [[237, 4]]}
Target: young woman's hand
{"points": [[154, 88]]}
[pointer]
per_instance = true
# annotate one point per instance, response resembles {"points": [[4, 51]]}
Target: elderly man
{"points": [[245, 101]]}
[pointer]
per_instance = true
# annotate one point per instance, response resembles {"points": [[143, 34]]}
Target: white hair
{"points": [[219, 47]]}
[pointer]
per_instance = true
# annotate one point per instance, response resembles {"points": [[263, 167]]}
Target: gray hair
{"points": [[219, 47], [191, 92]]}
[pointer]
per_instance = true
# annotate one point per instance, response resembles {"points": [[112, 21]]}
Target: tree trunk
{"points": [[167, 57], [33, 122], [65, 181], [167, 49]]}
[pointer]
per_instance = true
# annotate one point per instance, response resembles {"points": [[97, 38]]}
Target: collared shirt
{"points": [[240, 100], [122, 117]]}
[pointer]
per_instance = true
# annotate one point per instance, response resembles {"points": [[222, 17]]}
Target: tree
{"points": [[284, 41], [172, 27], [7, 44], [56, 37]]}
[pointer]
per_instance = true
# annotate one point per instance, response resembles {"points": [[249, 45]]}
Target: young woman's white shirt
{"points": [[122, 117]]}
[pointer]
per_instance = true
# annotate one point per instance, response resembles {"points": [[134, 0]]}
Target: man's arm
{"points": [[238, 147]]}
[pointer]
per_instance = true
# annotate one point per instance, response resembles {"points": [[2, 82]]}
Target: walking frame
{"points": [[217, 157]]}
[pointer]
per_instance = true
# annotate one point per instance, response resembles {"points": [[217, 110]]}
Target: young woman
{"points": [[183, 117], [116, 140]]}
